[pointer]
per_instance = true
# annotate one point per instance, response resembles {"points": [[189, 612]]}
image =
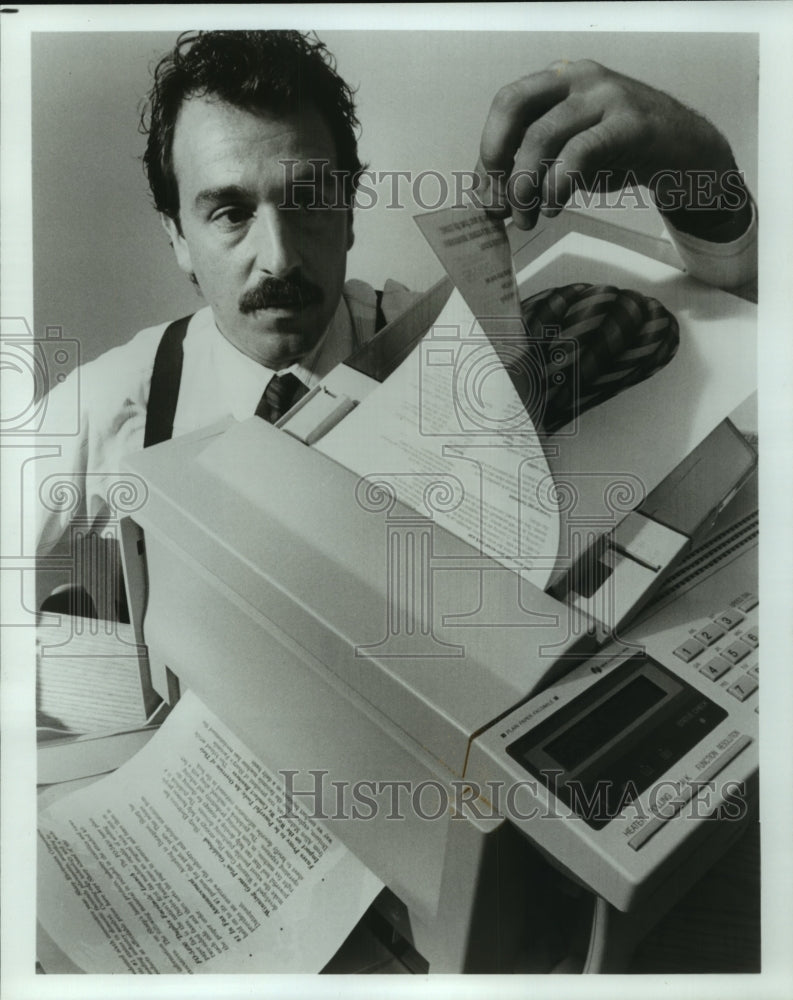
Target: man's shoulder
{"points": [[134, 358], [137, 353], [121, 375], [396, 297]]}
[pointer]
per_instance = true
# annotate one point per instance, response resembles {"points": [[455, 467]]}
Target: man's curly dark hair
{"points": [[278, 72]]}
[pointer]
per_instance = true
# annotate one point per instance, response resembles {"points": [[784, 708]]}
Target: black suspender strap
{"points": [[167, 374], [380, 319], [160, 411], [165, 378]]}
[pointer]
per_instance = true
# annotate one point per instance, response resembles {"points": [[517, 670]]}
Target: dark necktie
{"points": [[281, 394]]}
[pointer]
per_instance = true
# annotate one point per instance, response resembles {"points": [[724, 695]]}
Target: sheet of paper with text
{"points": [[451, 410], [190, 859], [475, 253]]}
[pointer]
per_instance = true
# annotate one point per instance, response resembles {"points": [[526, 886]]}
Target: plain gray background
{"points": [[102, 265]]}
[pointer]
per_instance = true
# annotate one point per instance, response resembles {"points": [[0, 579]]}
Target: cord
{"points": [[598, 938]]}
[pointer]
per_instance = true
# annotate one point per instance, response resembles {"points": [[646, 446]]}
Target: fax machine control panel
{"points": [[729, 639], [618, 765]]}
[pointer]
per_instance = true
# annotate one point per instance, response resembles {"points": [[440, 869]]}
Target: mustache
{"points": [[280, 293]]}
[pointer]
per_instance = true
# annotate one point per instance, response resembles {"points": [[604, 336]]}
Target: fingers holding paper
{"points": [[582, 126]]}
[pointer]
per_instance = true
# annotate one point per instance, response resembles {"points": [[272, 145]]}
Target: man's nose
{"points": [[276, 241]]}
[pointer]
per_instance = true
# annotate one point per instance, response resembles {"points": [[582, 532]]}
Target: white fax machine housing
{"points": [[315, 628], [332, 628]]}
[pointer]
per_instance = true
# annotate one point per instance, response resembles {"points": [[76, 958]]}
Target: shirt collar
{"points": [[243, 380]]}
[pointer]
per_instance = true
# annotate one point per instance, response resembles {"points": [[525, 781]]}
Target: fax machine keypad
{"points": [[732, 640], [724, 649]]}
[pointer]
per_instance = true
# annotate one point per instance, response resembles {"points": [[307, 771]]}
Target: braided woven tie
{"points": [[591, 342]]}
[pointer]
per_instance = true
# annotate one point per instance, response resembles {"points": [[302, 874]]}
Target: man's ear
{"points": [[178, 242]]}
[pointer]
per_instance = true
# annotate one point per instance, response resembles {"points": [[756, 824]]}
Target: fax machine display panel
{"points": [[605, 747]]}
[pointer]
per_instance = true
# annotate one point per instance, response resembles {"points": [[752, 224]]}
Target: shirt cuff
{"points": [[725, 265]]}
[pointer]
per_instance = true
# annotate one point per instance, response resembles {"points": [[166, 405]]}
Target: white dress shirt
{"points": [[725, 265], [218, 381]]}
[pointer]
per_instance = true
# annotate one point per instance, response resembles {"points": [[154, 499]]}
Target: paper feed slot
{"points": [[316, 413], [622, 570]]}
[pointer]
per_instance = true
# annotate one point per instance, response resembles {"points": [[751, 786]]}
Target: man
{"points": [[239, 122]]}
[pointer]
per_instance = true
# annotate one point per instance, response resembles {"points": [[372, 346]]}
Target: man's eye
{"points": [[232, 215]]}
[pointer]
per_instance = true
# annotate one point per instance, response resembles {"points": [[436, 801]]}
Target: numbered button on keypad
{"points": [[715, 668], [729, 618], [689, 649], [736, 651], [743, 687], [709, 634]]}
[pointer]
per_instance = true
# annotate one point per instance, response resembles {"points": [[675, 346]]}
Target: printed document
{"points": [[190, 859]]}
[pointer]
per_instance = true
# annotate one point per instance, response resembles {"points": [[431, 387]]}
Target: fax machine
{"points": [[556, 759]]}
